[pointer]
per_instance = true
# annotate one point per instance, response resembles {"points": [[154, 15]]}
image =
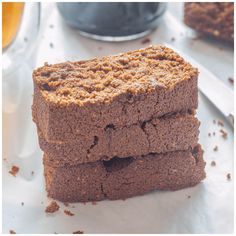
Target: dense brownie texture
{"points": [[76, 99], [125, 177], [159, 135], [214, 19]]}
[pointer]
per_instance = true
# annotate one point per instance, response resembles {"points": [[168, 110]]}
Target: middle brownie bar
{"points": [[159, 135]]}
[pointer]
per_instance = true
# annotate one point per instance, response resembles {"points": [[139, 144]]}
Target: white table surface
{"points": [[210, 208]]}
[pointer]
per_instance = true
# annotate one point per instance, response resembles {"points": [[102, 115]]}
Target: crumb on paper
{"points": [[214, 133], [231, 80], [22, 203], [213, 163], [146, 40], [78, 232], [214, 121], [12, 231], [172, 39], [215, 148], [51, 26], [32, 172], [224, 134], [94, 203], [14, 170], [69, 213], [189, 196], [51, 45], [209, 134], [220, 123], [52, 207], [228, 176], [26, 39]]}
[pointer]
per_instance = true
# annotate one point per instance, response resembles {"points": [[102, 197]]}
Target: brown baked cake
{"points": [[125, 177], [211, 18], [158, 135], [77, 99]]}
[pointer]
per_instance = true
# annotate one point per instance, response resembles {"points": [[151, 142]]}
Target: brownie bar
{"points": [[214, 19], [169, 133], [125, 177], [77, 98]]}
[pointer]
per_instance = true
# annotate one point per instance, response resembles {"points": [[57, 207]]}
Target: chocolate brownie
{"points": [[212, 18], [77, 99], [120, 178], [169, 133]]}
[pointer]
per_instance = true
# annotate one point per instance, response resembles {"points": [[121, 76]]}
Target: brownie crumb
{"points": [[224, 134], [215, 148], [52, 207], [231, 80], [209, 134], [22, 204], [51, 45], [172, 39], [146, 40], [228, 176], [69, 213], [78, 232], [220, 123], [12, 231], [14, 170], [213, 163], [94, 203], [66, 204]]}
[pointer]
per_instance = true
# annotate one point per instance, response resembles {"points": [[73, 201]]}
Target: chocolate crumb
{"points": [[209, 134], [172, 39], [14, 170], [22, 204], [69, 213], [220, 123], [51, 45], [213, 163], [228, 176], [146, 40], [224, 134], [94, 203], [215, 148], [52, 207], [78, 232], [231, 80], [12, 231]]}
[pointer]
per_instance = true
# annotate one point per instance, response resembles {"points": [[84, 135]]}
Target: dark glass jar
{"points": [[113, 21]]}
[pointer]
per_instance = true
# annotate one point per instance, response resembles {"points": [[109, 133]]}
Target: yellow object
{"points": [[11, 18]]}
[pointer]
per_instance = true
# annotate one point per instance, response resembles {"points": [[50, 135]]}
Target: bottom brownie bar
{"points": [[120, 178]]}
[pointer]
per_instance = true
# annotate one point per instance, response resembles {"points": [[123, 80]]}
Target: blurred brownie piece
{"points": [[214, 19]]}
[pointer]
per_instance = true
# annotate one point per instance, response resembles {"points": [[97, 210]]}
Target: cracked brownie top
{"points": [[103, 79]]}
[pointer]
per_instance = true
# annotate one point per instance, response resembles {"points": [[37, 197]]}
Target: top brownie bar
{"points": [[73, 99]]}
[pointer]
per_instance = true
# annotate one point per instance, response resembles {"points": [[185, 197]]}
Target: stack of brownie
{"points": [[118, 126]]}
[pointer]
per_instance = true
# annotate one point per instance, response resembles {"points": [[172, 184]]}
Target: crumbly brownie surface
{"points": [[118, 91], [125, 177], [159, 135], [215, 19]]}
